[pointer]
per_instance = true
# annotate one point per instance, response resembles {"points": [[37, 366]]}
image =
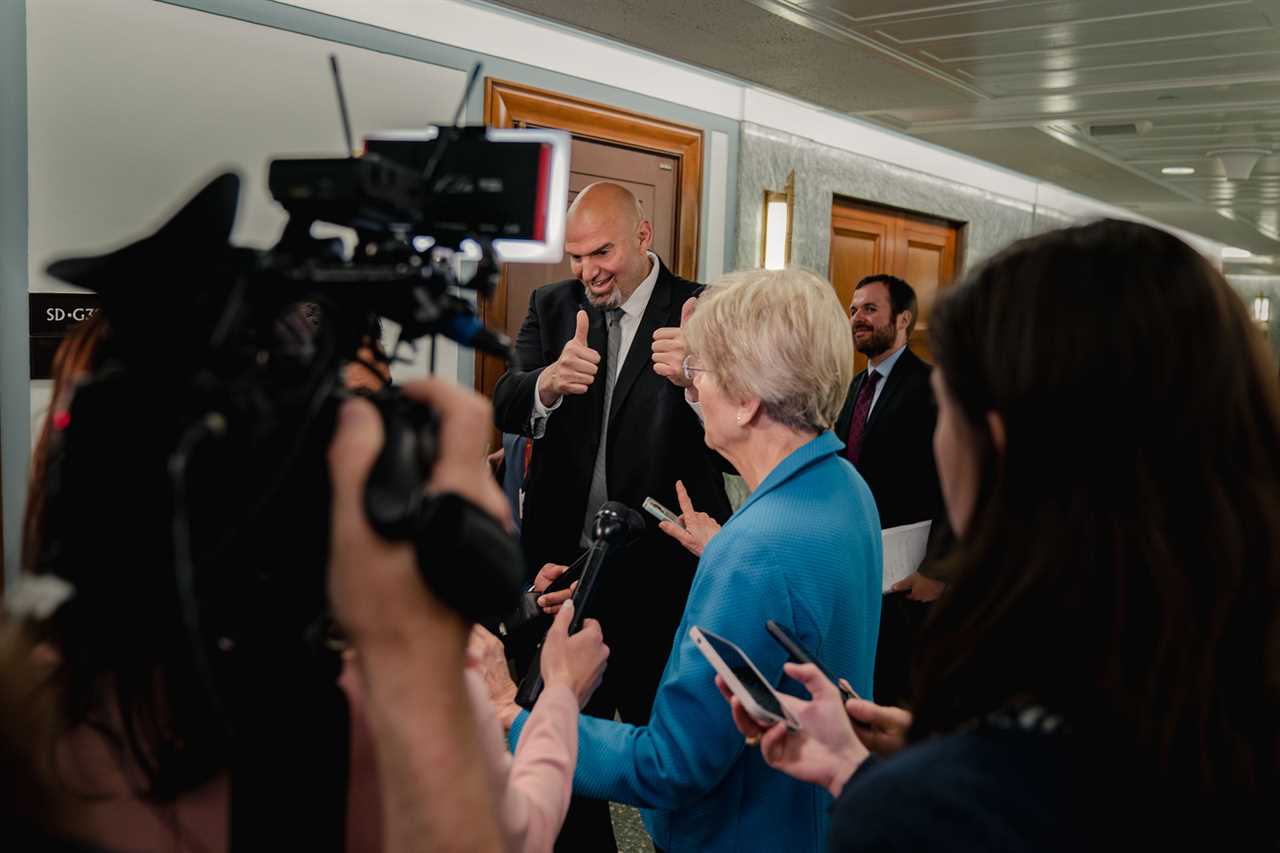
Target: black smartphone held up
{"points": [[571, 574], [801, 655]]}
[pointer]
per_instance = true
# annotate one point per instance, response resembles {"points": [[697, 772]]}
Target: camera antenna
{"points": [[437, 154], [466, 93], [342, 104]]}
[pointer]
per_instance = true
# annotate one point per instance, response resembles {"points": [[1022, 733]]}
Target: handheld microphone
{"points": [[615, 524]]}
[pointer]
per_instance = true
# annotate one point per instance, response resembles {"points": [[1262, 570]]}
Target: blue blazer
{"points": [[805, 551]]}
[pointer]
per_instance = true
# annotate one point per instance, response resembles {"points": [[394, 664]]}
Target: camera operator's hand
{"points": [[575, 369], [577, 661], [409, 646], [393, 601], [375, 589]]}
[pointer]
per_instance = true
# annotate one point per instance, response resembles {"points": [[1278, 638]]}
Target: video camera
{"points": [[213, 403]]}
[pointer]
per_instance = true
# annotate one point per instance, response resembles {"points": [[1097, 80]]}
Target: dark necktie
{"points": [[599, 492], [861, 408]]}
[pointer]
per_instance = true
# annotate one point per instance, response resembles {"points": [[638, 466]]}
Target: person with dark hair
{"points": [[887, 426], [1103, 670]]}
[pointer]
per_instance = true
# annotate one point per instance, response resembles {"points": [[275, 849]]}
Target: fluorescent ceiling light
{"points": [[1232, 253], [1178, 170]]}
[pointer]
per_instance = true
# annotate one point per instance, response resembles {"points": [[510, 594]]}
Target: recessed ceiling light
{"points": [[1233, 253], [1178, 170]]}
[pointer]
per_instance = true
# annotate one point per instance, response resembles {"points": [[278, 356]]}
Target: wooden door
{"points": [[868, 240]]}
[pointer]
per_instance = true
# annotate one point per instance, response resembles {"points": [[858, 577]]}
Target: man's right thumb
{"points": [[580, 334]]}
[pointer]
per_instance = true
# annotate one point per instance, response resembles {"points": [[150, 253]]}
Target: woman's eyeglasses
{"points": [[690, 366]]}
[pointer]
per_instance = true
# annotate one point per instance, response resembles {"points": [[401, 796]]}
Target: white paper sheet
{"points": [[904, 549]]}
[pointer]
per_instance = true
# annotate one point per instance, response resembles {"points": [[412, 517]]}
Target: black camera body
{"points": [[236, 398]]}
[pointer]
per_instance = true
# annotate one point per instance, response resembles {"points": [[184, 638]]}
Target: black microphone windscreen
{"points": [[633, 520]]}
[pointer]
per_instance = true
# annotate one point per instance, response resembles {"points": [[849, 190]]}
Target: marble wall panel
{"points": [[766, 156]]}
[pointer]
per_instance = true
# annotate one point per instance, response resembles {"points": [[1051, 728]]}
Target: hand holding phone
{"points": [[757, 696], [660, 512]]}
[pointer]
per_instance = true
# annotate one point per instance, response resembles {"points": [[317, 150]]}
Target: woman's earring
{"points": [[739, 418]]}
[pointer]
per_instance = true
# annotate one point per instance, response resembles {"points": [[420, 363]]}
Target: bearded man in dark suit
{"points": [[887, 425]]}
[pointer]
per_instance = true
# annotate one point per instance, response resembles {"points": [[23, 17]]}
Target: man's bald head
{"points": [[609, 201], [607, 239]]}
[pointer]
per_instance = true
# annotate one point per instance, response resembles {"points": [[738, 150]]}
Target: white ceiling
{"points": [[1094, 95]]}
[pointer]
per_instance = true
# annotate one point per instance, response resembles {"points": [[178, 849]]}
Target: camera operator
{"points": [[436, 791]]}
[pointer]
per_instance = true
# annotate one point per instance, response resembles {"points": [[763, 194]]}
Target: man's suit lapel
{"points": [[898, 377], [639, 357]]}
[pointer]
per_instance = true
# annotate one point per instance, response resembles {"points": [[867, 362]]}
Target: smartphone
{"points": [[745, 681], [569, 575], [801, 655], [660, 512]]}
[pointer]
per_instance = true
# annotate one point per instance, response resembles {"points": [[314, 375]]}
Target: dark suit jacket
{"points": [[654, 440], [897, 449]]}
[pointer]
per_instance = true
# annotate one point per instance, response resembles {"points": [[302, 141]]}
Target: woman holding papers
{"points": [[1106, 669], [770, 358]]}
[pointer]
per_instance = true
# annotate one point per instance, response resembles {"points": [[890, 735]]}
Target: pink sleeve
{"points": [[541, 778]]}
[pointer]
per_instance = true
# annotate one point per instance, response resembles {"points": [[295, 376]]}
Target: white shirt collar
{"points": [[639, 298]]}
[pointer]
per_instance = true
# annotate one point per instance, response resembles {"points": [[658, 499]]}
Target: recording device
{"points": [[743, 679], [215, 399], [800, 654], [660, 512], [614, 525]]}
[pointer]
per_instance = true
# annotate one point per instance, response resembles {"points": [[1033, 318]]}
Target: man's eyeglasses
{"points": [[690, 366]]}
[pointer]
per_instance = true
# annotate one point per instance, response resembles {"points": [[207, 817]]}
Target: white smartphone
{"points": [[745, 681], [660, 512]]}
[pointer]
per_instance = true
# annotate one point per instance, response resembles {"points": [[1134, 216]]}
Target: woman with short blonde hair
{"points": [[769, 358], [798, 357]]}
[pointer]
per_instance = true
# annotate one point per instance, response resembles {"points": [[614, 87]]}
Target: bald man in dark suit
{"points": [[607, 426]]}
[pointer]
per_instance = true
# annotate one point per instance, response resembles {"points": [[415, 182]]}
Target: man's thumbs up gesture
{"points": [[669, 348], [575, 369]]}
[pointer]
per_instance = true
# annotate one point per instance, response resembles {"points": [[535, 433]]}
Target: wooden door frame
{"points": [[508, 104]]}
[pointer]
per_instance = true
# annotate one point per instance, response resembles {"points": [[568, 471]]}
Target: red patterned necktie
{"points": [[861, 407]]}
